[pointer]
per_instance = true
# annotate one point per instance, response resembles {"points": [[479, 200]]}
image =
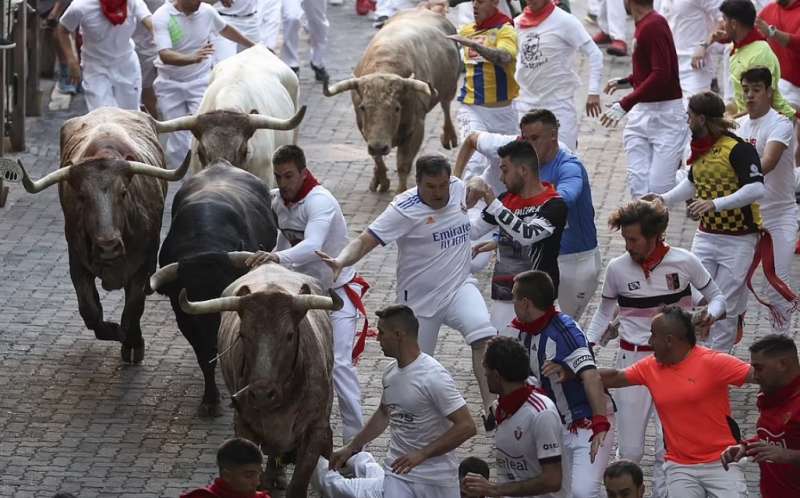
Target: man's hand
{"points": [[552, 369], [762, 26], [700, 207], [731, 454], [612, 115], [593, 108], [204, 53], [485, 246], [334, 263], [702, 322], [405, 463], [597, 442], [340, 457], [699, 58], [762, 451], [463, 40], [476, 189], [611, 332], [477, 485], [261, 257], [615, 84]]}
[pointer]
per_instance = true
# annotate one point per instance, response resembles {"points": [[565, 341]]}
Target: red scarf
{"points": [[535, 327], [494, 21], [700, 146], [309, 182], [509, 404], [531, 19], [116, 11], [753, 36], [654, 258], [765, 253], [220, 489]]}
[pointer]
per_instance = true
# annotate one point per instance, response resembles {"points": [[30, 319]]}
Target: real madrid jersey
{"points": [[530, 437], [433, 247]]}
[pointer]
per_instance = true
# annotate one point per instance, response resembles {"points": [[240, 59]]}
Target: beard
{"points": [[783, 3]]}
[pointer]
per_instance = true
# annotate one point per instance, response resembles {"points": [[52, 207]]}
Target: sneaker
{"points": [[320, 74], [335, 2], [618, 48], [380, 21], [601, 38], [5, 43], [296, 70], [590, 19]]}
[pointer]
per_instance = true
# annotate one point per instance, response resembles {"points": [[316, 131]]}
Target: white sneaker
{"points": [[335, 2]]}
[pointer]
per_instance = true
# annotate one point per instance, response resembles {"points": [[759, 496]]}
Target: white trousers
{"points": [[389, 8], [727, 258], [612, 18], [595, 6], [578, 281], [472, 118], [705, 480], [481, 261], [367, 483], [465, 313], [269, 14], [635, 409], [654, 138], [565, 112], [247, 26], [783, 229], [118, 86], [315, 11], [394, 487], [345, 324], [177, 99], [581, 477], [694, 80]]}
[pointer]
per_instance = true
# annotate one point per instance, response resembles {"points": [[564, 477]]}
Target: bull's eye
{"points": [[397, 108], [361, 107]]}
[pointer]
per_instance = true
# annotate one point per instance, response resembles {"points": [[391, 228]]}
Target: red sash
{"points": [[357, 300], [765, 253]]}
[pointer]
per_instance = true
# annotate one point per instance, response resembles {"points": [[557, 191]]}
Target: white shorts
{"points": [[119, 86], [465, 313], [394, 487], [580, 273], [705, 479]]}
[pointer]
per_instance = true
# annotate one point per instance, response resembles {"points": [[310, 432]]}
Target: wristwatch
{"points": [[771, 30]]}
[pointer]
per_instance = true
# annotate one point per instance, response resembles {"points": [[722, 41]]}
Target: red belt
{"points": [[627, 346]]}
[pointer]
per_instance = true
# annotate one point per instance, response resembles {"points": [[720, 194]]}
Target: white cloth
{"points": [[315, 223], [487, 145], [395, 486], [790, 92], [176, 31], [579, 274], [502, 315], [433, 247], [612, 19], [145, 46], [177, 99], [366, 483], [532, 434], [566, 113], [654, 138], [466, 313], [706, 479], [582, 478], [475, 118], [269, 15], [316, 16], [419, 398], [691, 22], [110, 88], [389, 8]]}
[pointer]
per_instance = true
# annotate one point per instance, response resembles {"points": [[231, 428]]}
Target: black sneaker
{"points": [[379, 22], [296, 70], [320, 74]]}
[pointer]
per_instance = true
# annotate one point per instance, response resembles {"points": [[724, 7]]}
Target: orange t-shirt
{"points": [[692, 401]]}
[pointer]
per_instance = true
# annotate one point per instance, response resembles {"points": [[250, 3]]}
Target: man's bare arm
{"points": [[234, 35], [496, 56], [465, 153], [613, 378]]}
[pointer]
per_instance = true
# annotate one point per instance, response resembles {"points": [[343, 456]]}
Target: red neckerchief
{"points": [[654, 258], [220, 489], [779, 397], [536, 326], [753, 36], [700, 146], [513, 201], [116, 11], [494, 21], [309, 182], [509, 404], [531, 19]]}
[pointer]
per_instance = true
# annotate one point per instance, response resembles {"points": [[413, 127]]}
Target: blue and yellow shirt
{"points": [[486, 83]]}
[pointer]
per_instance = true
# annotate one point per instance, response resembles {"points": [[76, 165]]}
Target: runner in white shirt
{"points": [[146, 51], [528, 441], [638, 283], [183, 33], [426, 415], [772, 135], [310, 219], [242, 15], [111, 73], [548, 40], [432, 229]]}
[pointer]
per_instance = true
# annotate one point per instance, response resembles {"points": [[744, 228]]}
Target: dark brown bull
{"points": [[112, 186], [276, 354]]}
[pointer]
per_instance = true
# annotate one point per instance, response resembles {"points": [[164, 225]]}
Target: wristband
{"points": [[600, 423]]}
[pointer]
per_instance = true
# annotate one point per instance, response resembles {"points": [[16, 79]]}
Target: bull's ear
{"points": [[305, 289], [243, 291]]}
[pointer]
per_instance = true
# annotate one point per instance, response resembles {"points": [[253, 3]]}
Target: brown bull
{"points": [[408, 67], [276, 354], [111, 184]]}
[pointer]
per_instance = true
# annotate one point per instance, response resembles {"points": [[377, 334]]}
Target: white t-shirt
{"points": [[185, 34], [779, 183], [691, 21], [532, 434], [103, 43], [433, 247], [315, 223], [546, 67], [419, 398]]}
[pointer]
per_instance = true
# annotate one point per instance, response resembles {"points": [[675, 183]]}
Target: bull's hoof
{"points": [[108, 331], [449, 140], [209, 410], [373, 184], [132, 354]]}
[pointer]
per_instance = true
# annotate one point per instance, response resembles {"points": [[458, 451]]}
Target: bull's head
{"points": [[379, 100], [225, 134], [99, 188]]}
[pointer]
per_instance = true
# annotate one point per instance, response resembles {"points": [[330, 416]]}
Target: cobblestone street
{"points": [[74, 418]]}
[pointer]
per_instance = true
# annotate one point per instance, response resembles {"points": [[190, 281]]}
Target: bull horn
{"points": [[177, 124], [259, 121], [164, 275], [305, 302], [171, 175], [217, 305], [337, 88], [239, 258], [34, 187], [420, 86]]}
